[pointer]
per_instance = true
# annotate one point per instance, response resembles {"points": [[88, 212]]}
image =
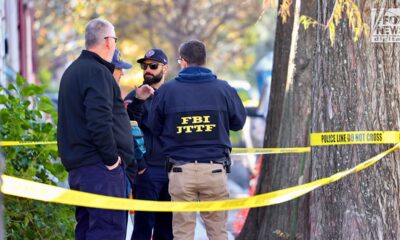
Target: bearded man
{"points": [[151, 183]]}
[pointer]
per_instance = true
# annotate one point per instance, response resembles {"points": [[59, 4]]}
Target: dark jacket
{"points": [[138, 110], [193, 115], [93, 125]]}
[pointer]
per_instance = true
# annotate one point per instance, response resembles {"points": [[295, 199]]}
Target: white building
{"points": [[16, 40]]}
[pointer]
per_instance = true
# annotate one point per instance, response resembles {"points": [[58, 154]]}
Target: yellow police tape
{"points": [[28, 189], [235, 151], [25, 143], [355, 137], [316, 139], [246, 151]]}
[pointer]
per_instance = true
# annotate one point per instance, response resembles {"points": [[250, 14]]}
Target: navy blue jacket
{"points": [[93, 125], [193, 115], [138, 110]]}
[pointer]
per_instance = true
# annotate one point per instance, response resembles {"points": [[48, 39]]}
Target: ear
{"points": [[165, 68]]}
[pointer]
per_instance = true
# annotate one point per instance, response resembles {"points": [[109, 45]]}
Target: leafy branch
{"points": [[347, 7], [29, 115], [354, 17]]}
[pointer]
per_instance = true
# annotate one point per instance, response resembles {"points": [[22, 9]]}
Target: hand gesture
{"points": [[144, 92]]}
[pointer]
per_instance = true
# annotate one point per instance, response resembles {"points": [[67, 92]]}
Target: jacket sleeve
{"points": [[134, 107], [131, 170], [98, 102], [156, 115], [236, 110]]}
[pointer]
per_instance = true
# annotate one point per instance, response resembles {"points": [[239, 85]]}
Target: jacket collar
{"points": [[196, 74], [96, 57]]}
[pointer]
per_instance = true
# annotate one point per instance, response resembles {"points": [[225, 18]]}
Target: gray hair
{"points": [[95, 31]]}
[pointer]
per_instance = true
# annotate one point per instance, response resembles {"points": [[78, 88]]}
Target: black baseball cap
{"points": [[155, 54], [117, 61]]}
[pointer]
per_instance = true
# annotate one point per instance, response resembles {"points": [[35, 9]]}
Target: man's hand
{"points": [[144, 92], [115, 164]]}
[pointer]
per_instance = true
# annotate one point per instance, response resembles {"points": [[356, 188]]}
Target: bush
{"points": [[28, 115]]}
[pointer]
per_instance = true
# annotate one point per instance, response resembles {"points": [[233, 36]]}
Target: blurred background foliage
{"points": [[235, 33]]}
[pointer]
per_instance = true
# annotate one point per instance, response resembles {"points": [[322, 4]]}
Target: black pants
{"points": [[95, 223], [152, 185]]}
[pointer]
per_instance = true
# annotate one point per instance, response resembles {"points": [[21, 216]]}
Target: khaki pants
{"points": [[199, 182]]}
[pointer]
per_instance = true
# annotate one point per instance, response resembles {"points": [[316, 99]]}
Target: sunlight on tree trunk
{"points": [[355, 87], [258, 225], [350, 86], [288, 126]]}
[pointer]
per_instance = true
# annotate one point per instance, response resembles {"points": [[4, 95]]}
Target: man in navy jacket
{"points": [[193, 115], [151, 182], [93, 132]]}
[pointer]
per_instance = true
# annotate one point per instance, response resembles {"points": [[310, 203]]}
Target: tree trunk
{"points": [[287, 126], [355, 88]]}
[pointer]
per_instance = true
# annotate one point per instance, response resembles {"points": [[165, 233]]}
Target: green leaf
{"points": [[37, 114], [28, 218], [4, 115], [25, 125], [47, 128], [31, 90], [11, 87], [41, 174], [46, 105], [59, 168], [20, 80], [3, 99]]}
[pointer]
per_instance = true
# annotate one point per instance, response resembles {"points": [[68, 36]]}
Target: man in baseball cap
{"points": [[152, 180], [154, 65], [155, 54], [119, 65]]}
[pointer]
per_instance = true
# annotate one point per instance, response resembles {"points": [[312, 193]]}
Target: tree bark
{"points": [[355, 88], [287, 126], [256, 216]]}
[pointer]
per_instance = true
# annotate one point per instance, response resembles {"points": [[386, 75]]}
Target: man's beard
{"points": [[152, 79]]}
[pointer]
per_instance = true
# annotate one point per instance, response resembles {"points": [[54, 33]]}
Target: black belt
{"points": [[179, 169], [183, 162]]}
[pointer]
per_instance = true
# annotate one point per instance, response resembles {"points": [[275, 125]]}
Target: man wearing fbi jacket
{"points": [[193, 114]]}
